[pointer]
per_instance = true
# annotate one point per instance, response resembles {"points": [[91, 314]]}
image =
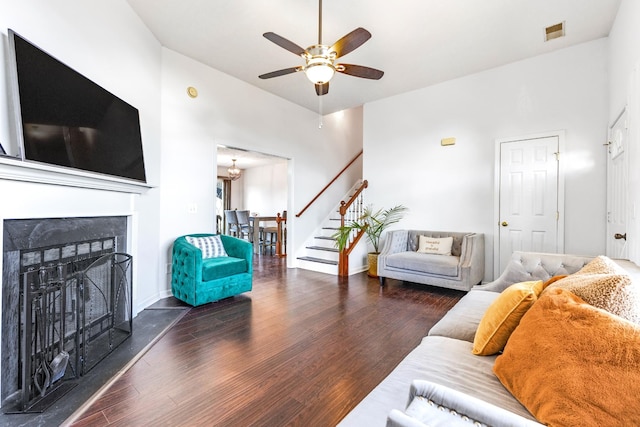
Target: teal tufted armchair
{"points": [[198, 281]]}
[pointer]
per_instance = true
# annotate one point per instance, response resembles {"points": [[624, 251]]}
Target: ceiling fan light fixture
{"points": [[319, 68], [234, 172], [319, 71], [320, 60]]}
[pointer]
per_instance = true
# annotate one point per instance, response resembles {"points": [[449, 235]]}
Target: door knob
{"points": [[504, 223], [619, 236]]}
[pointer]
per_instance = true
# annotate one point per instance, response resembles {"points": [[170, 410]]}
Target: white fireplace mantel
{"points": [[15, 169]]}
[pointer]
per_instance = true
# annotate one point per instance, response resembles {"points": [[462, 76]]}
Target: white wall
{"points": [[624, 63], [265, 188], [233, 113], [451, 188], [105, 41]]}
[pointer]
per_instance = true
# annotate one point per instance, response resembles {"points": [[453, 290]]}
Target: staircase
{"points": [[320, 253]]}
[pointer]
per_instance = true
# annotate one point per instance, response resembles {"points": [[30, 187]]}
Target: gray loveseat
{"points": [[461, 270], [441, 378]]}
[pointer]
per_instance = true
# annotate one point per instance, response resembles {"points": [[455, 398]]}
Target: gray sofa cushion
{"points": [[463, 319], [441, 265], [440, 360]]}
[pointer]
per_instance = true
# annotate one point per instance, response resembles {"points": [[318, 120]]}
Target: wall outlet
{"points": [[168, 268], [192, 208]]}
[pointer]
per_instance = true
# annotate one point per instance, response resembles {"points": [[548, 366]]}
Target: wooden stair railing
{"points": [[352, 210], [329, 184]]}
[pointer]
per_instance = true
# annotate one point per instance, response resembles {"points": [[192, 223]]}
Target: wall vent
{"points": [[554, 31]]}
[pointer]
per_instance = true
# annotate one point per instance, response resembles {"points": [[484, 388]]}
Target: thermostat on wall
{"points": [[448, 141]]}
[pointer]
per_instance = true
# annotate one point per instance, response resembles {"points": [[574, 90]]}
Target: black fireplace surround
{"points": [[66, 304]]}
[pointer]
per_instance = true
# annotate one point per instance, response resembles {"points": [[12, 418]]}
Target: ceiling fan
{"points": [[320, 59]]}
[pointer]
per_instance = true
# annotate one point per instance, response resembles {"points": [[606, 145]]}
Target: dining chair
{"points": [[231, 220], [269, 239], [244, 225]]}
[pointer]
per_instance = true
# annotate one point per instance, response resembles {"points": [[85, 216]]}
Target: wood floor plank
{"points": [[96, 419], [302, 348]]}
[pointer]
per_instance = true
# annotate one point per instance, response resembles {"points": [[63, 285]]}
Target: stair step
{"points": [[324, 238], [323, 248], [318, 260], [331, 228]]}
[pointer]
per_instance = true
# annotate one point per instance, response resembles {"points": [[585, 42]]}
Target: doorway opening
{"points": [[262, 187]]}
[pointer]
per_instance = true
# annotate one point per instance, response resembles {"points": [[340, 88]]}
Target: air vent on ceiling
{"points": [[554, 31]]}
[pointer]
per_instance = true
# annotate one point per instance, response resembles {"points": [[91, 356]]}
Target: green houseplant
{"points": [[373, 223]]}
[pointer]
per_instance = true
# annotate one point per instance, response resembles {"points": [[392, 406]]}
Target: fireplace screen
{"points": [[75, 308]]}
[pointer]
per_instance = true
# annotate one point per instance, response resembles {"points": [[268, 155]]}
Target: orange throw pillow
{"points": [[503, 316], [570, 363]]}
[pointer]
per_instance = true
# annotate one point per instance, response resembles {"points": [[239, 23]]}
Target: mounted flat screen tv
{"points": [[65, 119]]}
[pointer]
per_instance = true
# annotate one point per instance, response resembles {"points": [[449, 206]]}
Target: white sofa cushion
{"points": [[434, 245]]}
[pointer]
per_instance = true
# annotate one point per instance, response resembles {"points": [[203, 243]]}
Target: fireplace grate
{"points": [[75, 308]]}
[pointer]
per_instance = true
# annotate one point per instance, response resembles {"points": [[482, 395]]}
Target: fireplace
{"points": [[67, 303]]}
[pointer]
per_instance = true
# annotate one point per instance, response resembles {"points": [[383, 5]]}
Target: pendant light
{"points": [[234, 172]]}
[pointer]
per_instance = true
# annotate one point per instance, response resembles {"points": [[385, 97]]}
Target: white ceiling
{"points": [[244, 159], [416, 43]]}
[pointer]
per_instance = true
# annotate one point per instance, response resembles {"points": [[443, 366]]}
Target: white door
{"points": [[617, 176], [528, 197]]}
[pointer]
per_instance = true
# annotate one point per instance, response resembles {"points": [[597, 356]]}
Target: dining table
{"points": [[256, 222]]}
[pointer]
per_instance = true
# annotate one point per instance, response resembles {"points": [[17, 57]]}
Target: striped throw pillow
{"points": [[211, 246]]}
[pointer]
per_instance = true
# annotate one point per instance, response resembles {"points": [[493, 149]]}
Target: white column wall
{"points": [[230, 112], [106, 42], [624, 65]]}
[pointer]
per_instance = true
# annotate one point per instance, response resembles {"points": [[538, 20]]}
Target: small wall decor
{"points": [[192, 92], [448, 141]]}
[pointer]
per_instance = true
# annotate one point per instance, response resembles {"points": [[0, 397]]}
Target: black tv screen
{"points": [[65, 119]]}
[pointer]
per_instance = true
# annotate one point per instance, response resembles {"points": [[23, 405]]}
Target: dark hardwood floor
{"points": [[302, 349]]}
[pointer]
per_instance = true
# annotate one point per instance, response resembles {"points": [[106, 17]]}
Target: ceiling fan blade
{"points": [[279, 73], [350, 42], [360, 71], [284, 43], [322, 88]]}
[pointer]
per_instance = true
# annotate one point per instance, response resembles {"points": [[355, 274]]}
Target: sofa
{"points": [[210, 267], [443, 383], [458, 266]]}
